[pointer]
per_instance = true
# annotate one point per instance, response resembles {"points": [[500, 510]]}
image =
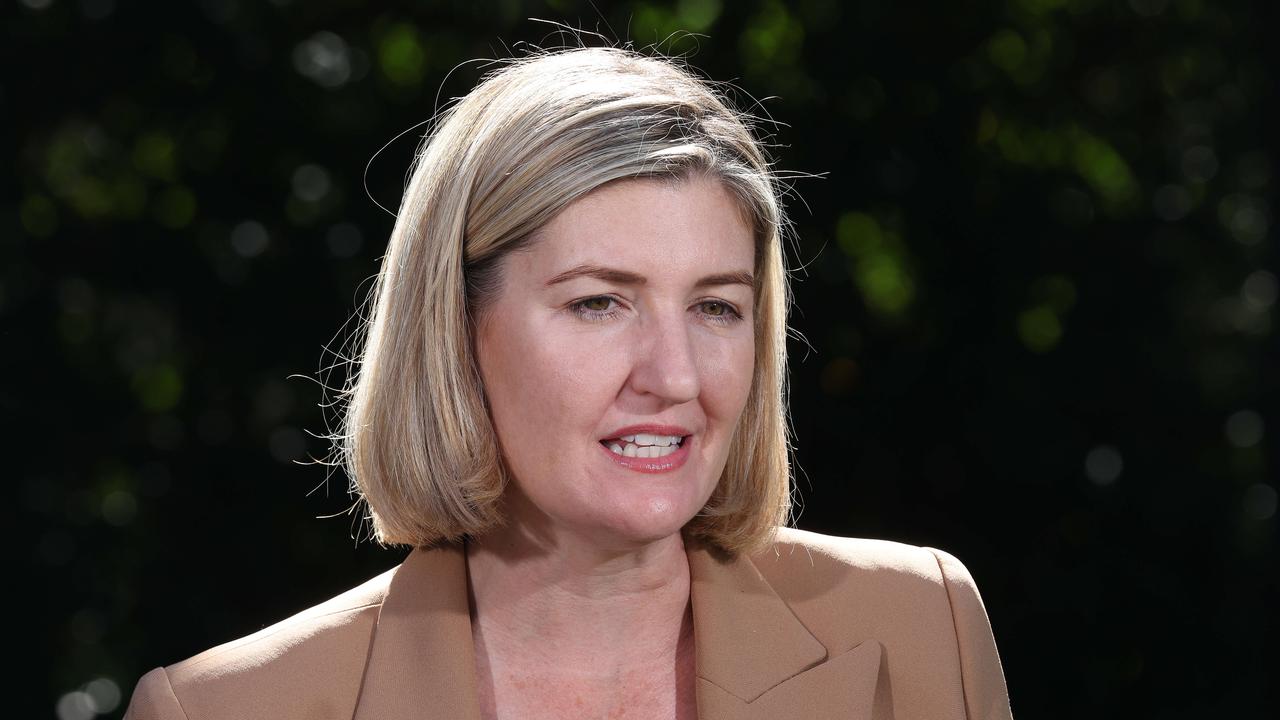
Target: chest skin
{"points": [[526, 691]]}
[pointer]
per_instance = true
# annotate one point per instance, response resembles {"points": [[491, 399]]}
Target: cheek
{"points": [[543, 384], [505, 369], [727, 375], [572, 378]]}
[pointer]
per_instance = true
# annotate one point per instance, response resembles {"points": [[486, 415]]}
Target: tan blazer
{"points": [[818, 627]]}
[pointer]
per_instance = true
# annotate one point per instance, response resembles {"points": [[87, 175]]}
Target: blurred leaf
{"points": [[1039, 328], [158, 387], [154, 154], [402, 55], [878, 264]]}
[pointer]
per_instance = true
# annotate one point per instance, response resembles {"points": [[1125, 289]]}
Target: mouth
{"points": [[636, 456], [642, 446]]}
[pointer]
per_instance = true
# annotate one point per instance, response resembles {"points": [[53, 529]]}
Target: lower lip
{"points": [[668, 463]]}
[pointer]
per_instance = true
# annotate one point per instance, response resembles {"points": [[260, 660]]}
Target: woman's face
{"points": [[633, 308]]}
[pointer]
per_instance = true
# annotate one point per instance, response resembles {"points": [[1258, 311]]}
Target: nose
{"points": [[666, 363]]}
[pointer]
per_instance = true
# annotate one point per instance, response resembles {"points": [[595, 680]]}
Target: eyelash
{"points": [[579, 308]]}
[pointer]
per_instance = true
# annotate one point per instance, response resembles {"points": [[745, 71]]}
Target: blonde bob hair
{"points": [[532, 137]]}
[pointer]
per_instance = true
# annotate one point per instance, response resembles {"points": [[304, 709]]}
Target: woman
{"points": [[571, 404]]}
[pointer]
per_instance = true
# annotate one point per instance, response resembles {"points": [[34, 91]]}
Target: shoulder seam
{"points": [[955, 629], [178, 701]]}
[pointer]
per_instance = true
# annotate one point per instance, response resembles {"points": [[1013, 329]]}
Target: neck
{"points": [[575, 608]]}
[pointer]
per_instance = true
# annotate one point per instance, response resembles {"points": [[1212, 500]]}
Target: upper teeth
{"points": [[647, 439]]}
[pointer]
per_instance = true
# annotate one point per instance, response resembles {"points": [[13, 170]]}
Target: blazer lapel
{"points": [[757, 661], [421, 658]]}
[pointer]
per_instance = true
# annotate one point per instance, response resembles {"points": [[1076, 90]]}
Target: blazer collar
{"points": [[754, 658]]}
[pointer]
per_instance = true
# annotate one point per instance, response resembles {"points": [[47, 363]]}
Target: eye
{"points": [[601, 304], [597, 309], [722, 312], [594, 308]]}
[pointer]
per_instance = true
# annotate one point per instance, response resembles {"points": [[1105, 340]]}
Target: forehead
{"points": [[669, 227]]}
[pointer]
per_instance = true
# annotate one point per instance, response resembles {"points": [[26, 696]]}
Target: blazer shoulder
{"points": [[816, 553], [883, 563], [307, 665], [920, 603], [867, 570]]}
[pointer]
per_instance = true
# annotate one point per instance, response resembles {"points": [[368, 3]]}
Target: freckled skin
{"points": [[580, 602], [630, 695]]}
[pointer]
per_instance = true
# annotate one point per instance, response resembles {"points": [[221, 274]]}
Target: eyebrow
{"points": [[623, 277]]}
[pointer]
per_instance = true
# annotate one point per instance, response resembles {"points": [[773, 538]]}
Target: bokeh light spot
{"points": [[119, 508], [249, 239], [884, 280], [1259, 290], [771, 39], [1039, 328], [1243, 429], [1260, 501], [1006, 50], [1103, 168], [401, 55], [697, 15], [879, 264], [154, 153], [310, 183], [104, 693], [158, 387], [1103, 465], [1245, 217], [344, 240], [75, 705], [324, 58]]}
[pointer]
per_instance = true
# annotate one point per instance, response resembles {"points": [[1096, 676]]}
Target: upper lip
{"points": [[650, 429]]}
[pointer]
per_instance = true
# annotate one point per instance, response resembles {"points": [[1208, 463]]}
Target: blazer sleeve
{"points": [[153, 699], [985, 694]]}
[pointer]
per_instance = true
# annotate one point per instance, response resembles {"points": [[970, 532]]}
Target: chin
{"points": [[662, 520]]}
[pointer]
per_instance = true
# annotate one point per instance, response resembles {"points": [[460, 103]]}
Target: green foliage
{"points": [[158, 387], [402, 55], [878, 264]]}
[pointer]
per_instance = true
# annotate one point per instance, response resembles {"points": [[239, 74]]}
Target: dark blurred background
{"points": [[1038, 309]]}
